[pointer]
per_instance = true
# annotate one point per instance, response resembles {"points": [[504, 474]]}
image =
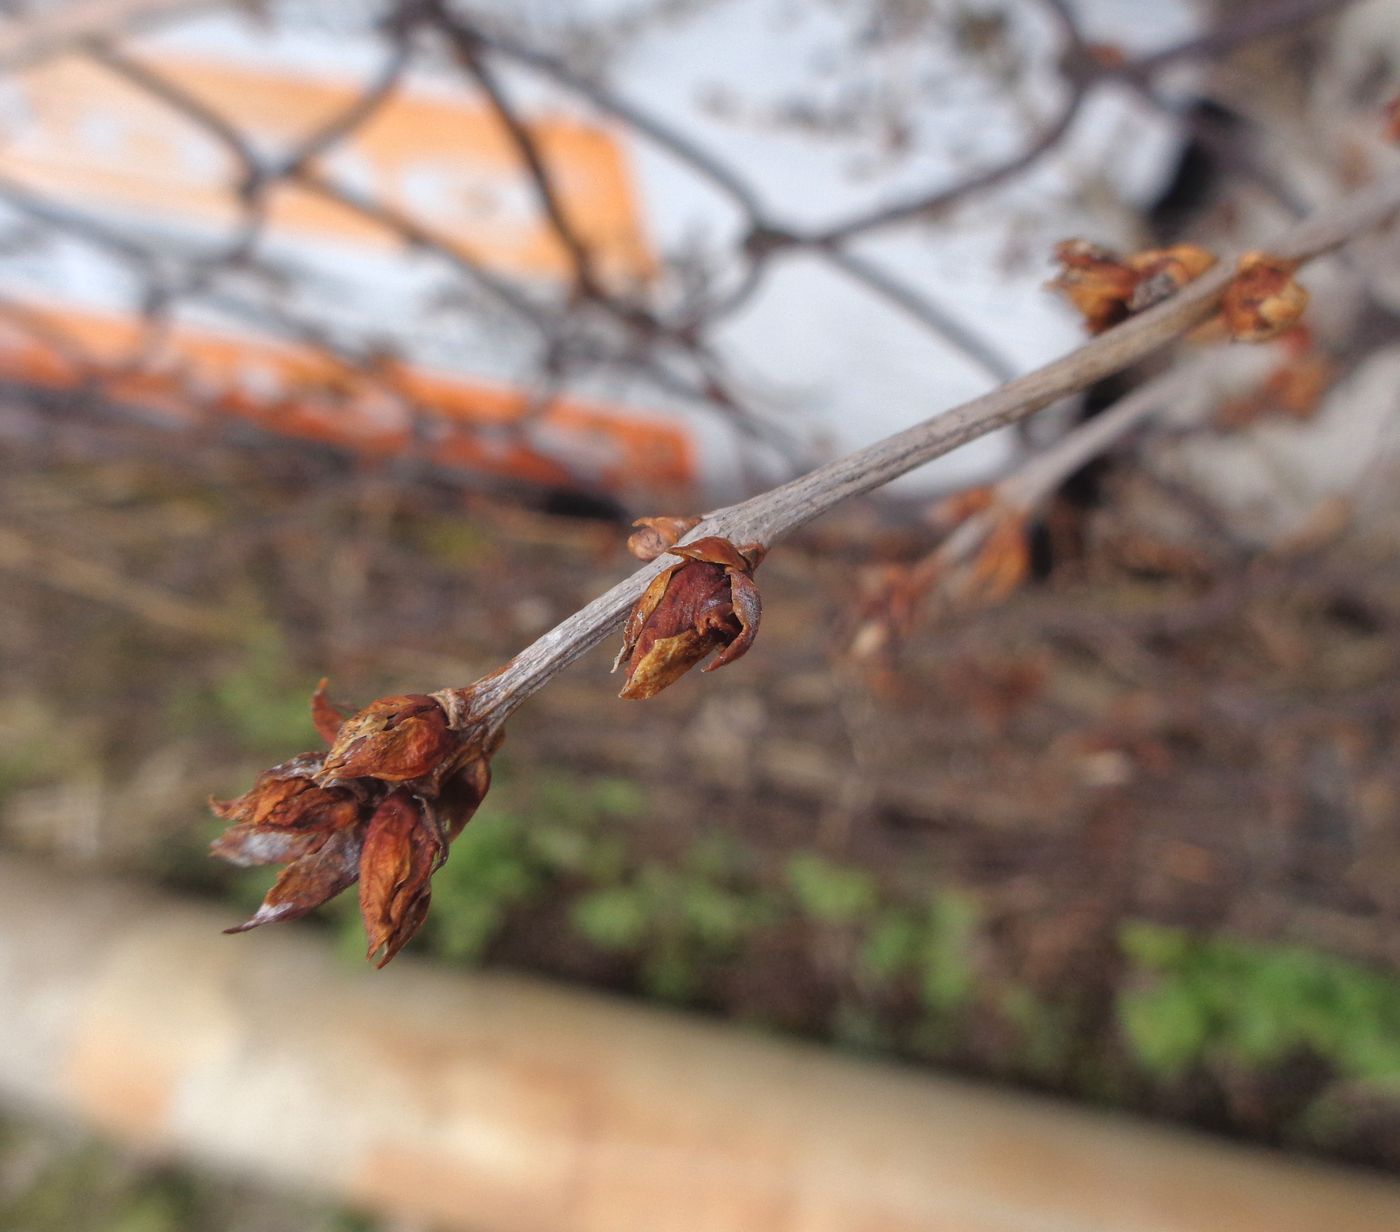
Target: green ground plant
{"points": [[1213, 1002]]}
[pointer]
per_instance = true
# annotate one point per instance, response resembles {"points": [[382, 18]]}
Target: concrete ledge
{"points": [[497, 1103]]}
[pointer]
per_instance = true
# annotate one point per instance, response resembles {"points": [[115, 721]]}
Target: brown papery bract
{"points": [[402, 850], [394, 739], [1002, 563], [286, 795]]}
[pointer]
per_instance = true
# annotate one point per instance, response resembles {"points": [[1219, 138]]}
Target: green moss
{"points": [[1044, 1027], [453, 541], [39, 744], [859, 1028], [680, 921], [491, 869]]}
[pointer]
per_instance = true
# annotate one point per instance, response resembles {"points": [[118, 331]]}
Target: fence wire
{"points": [[599, 319]]}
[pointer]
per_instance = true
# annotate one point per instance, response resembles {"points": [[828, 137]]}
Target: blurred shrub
{"points": [[258, 703], [1210, 1001]]}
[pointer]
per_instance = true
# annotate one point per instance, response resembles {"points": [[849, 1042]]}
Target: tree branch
{"points": [[770, 515]]}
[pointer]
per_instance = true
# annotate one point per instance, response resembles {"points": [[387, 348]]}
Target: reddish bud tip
{"points": [[327, 717]]}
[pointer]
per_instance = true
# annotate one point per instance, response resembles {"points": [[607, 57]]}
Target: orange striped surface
{"points": [[91, 136], [300, 392], [93, 139]]}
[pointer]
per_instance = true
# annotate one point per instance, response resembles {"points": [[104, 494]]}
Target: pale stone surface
{"points": [[491, 1102]]}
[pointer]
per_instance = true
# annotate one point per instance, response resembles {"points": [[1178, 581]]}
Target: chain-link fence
{"points": [[500, 239]]}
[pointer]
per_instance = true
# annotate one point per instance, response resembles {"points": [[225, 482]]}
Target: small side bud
{"points": [[706, 603], [658, 535], [1263, 300], [1107, 288]]}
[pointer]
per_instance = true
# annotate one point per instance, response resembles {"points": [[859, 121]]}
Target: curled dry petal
{"points": [[314, 878], [1162, 272], [287, 818], [394, 739], [288, 797], [657, 535], [708, 602], [955, 509], [1095, 281], [1263, 300], [887, 599], [1293, 390], [248, 846], [402, 850]]}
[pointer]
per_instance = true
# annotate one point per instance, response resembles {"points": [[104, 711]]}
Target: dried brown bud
{"points": [[313, 878], [887, 599], [333, 819], [658, 535], [1107, 288], [1095, 281], [708, 602], [1263, 300], [394, 739]]}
